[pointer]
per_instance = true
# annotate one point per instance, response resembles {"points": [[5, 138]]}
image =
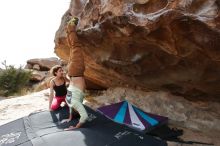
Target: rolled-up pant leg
{"points": [[78, 106]]}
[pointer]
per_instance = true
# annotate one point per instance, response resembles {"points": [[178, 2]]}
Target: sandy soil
{"points": [[16, 107]]}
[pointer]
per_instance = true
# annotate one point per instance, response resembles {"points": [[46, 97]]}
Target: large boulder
{"points": [[42, 64], [38, 75], [148, 44]]}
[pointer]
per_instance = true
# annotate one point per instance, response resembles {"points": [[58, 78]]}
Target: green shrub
{"points": [[13, 80]]}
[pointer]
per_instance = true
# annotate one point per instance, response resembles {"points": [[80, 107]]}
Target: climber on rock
{"points": [[76, 68]]}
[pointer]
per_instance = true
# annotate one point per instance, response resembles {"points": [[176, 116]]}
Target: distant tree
{"points": [[12, 79]]}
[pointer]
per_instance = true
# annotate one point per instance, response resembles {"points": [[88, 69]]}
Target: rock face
{"points": [[149, 44]]}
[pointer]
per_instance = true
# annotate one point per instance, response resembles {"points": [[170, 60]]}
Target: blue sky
{"points": [[27, 29]]}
